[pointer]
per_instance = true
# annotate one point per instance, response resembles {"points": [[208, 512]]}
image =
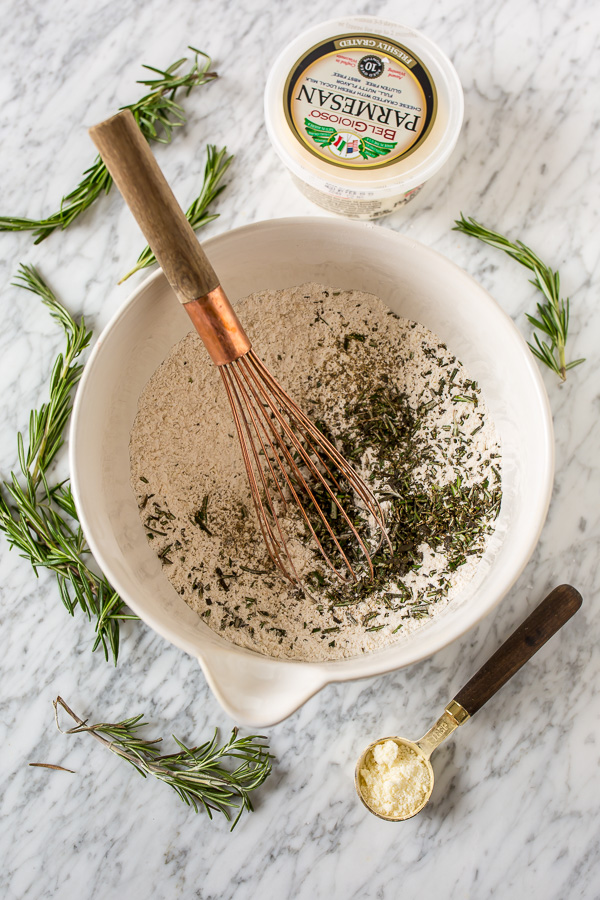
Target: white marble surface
{"points": [[515, 809]]}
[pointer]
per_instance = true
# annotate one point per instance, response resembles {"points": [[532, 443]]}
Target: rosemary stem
{"points": [[552, 315], [157, 114], [197, 774], [82, 726], [36, 474], [562, 361], [40, 519]]}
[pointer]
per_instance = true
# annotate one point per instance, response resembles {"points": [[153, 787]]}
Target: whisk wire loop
{"points": [[301, 480], [245, 437], [270, 425]]}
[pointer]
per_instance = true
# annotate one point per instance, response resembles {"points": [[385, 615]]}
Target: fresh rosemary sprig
{"points": [[40, 519], [552, 315], [197, 774], [156, 113], [217, 163]]}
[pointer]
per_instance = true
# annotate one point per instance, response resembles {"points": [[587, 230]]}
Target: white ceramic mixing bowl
{"points": [[412, 280]]}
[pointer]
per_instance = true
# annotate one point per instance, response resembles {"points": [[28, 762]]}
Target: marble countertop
{"points": [[515, 808]]}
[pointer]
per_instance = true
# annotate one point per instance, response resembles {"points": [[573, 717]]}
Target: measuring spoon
{"points": [[545, 620]]}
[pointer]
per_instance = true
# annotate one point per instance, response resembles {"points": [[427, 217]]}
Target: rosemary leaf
{"points": [[156, 113], [197, 774], [40, 519], [552, 315], [217, 163]]}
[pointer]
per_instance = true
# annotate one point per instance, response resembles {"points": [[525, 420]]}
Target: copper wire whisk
{"points": [[295, 473]]}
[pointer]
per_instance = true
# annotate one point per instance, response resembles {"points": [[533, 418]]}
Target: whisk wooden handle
{"points": [[129, 160], [136, 173]]}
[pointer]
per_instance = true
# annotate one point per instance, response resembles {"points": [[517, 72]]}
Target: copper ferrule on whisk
{"points": [[217, 324]]}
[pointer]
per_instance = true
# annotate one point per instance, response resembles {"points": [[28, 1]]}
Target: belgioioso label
{"points": [[360, 101]]}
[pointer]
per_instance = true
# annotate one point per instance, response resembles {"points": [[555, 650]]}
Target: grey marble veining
{"points": [[515, 808]]}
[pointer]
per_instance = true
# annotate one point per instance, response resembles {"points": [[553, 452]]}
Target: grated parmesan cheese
{"points": [[394, 780]]}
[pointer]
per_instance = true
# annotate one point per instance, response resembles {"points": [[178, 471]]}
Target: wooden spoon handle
{"points": [[129, 160], [546, 619]]}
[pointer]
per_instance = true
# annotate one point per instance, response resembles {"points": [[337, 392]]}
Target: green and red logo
{"points": [[345, 144]]}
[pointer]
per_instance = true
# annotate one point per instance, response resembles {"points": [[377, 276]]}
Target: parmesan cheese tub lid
{"points": [[364, 105]]}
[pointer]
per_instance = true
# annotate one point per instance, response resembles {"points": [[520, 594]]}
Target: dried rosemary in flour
{"points": [[398, 404]]}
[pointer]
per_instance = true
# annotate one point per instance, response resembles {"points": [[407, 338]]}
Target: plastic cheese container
{"points": [[362, 112]]}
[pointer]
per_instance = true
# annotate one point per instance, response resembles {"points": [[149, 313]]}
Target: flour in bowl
{"points": [[399, 406]]}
